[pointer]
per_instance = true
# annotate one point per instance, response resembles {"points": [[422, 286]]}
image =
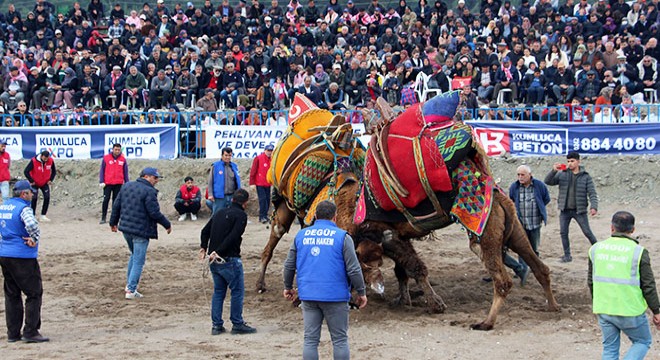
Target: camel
{"points": [[392, 237], [315, 133]]}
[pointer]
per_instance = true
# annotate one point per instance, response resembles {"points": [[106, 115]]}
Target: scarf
{"points": [[507, 73]]}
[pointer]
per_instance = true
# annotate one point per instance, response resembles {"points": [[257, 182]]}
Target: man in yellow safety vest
{"points": [[622, 288]]}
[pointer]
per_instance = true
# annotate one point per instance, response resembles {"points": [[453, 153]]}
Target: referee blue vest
{"points": [[13, 231], [320, 263]]}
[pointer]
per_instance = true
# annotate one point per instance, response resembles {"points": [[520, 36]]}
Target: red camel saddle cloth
{"points": [[417, 155]]}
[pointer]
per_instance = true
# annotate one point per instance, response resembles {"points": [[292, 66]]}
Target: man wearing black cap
{"points": [[137, 214], [259, 181], [589, 88], [19, 248]]}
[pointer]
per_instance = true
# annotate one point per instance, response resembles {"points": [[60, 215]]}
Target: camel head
{"points": [[369, 250]]}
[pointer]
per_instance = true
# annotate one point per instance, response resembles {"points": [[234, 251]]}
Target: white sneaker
{"points": [[193, 217], [182, 217], [44, 218], [133, 295]]}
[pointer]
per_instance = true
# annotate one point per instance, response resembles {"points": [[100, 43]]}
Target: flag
{"points": [[300, 104]]}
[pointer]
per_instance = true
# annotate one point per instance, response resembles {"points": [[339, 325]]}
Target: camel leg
{"points": [[280, 225], [404, 291], [404, 255], [519, 243], [491, 247]]}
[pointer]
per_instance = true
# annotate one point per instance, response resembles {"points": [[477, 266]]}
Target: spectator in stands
{"points": [[67, 89], [589, 88], [628, 75], [160, 91], [506, 77], [89, 86], [135, 88], [355, 82], [16, 86], [563, 88], [231, 82], [185, 84], [648, 73], [113, 84], [535, 84], [265, 98], [208, 102]]}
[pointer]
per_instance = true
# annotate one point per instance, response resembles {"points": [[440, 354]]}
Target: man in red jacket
{"points": [[258, 179], [113, 174], [40, 172], [188, 200], [5, 162]]}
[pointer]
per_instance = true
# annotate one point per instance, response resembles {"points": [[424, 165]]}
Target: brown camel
{"points": [[344, 179], [389, 230], [503, 229], [283, 217]]}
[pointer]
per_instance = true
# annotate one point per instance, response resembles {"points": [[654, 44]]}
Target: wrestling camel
{"points": [[392, 217]]}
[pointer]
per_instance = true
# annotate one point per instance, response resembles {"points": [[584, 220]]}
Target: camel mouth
{"points": [[378, 288]]}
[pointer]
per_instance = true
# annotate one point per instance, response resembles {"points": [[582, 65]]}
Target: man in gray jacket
{"points": [[161, 86], [576, 193]]}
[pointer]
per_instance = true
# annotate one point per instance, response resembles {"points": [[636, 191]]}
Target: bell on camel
{"points": [[441, 108]]}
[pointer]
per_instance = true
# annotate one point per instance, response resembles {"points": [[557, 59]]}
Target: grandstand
{"points": [[241, 62]]}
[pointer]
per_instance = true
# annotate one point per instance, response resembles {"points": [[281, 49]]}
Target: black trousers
{"points": [[44, 208], [107, 191], [22, 275], [192, 208]]}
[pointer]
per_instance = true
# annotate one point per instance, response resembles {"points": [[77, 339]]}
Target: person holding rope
{"points": [[221, 240]]}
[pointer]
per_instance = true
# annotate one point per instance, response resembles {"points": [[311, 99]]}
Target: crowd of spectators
{"points": [[214, 56]]}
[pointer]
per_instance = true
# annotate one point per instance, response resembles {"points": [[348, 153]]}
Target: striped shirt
{"points": [[31, 224], [530, 216]]}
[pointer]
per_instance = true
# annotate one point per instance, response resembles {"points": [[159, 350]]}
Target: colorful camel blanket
{"points": [[420, 153], [474, 200]]}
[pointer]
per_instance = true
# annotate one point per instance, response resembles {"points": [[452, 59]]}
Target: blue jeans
{"points": [[4, 189], [635, 327], [229, 274], [231, 103], [582, 220], [138, 247], [223, 203], [263, 193], [336, 317]]}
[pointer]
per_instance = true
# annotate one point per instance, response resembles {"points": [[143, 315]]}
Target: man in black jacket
{"points": [[137, 213], [221, 240]]}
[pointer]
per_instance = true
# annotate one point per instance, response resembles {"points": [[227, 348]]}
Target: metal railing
{"points": [[192, 125]]}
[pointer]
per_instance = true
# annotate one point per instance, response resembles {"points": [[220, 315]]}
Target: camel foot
{"points": [[261, 287], [554, 307], [401, 300], [482, 326], [436, 305]]}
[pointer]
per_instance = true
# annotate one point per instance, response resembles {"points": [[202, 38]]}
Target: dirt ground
{"points": [[86, 316]]}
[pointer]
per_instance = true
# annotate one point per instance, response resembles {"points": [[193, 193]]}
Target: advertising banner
{"points": [[250, 141], [525, 138], [92, 142]]}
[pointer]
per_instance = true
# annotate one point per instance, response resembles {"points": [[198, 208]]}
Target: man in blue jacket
{"points": [[19, 247], [137, 213], [324, 257], [224, 180], [530, 196]]}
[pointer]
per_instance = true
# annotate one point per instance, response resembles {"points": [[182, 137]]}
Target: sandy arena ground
{"points": [[86, 316]]}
